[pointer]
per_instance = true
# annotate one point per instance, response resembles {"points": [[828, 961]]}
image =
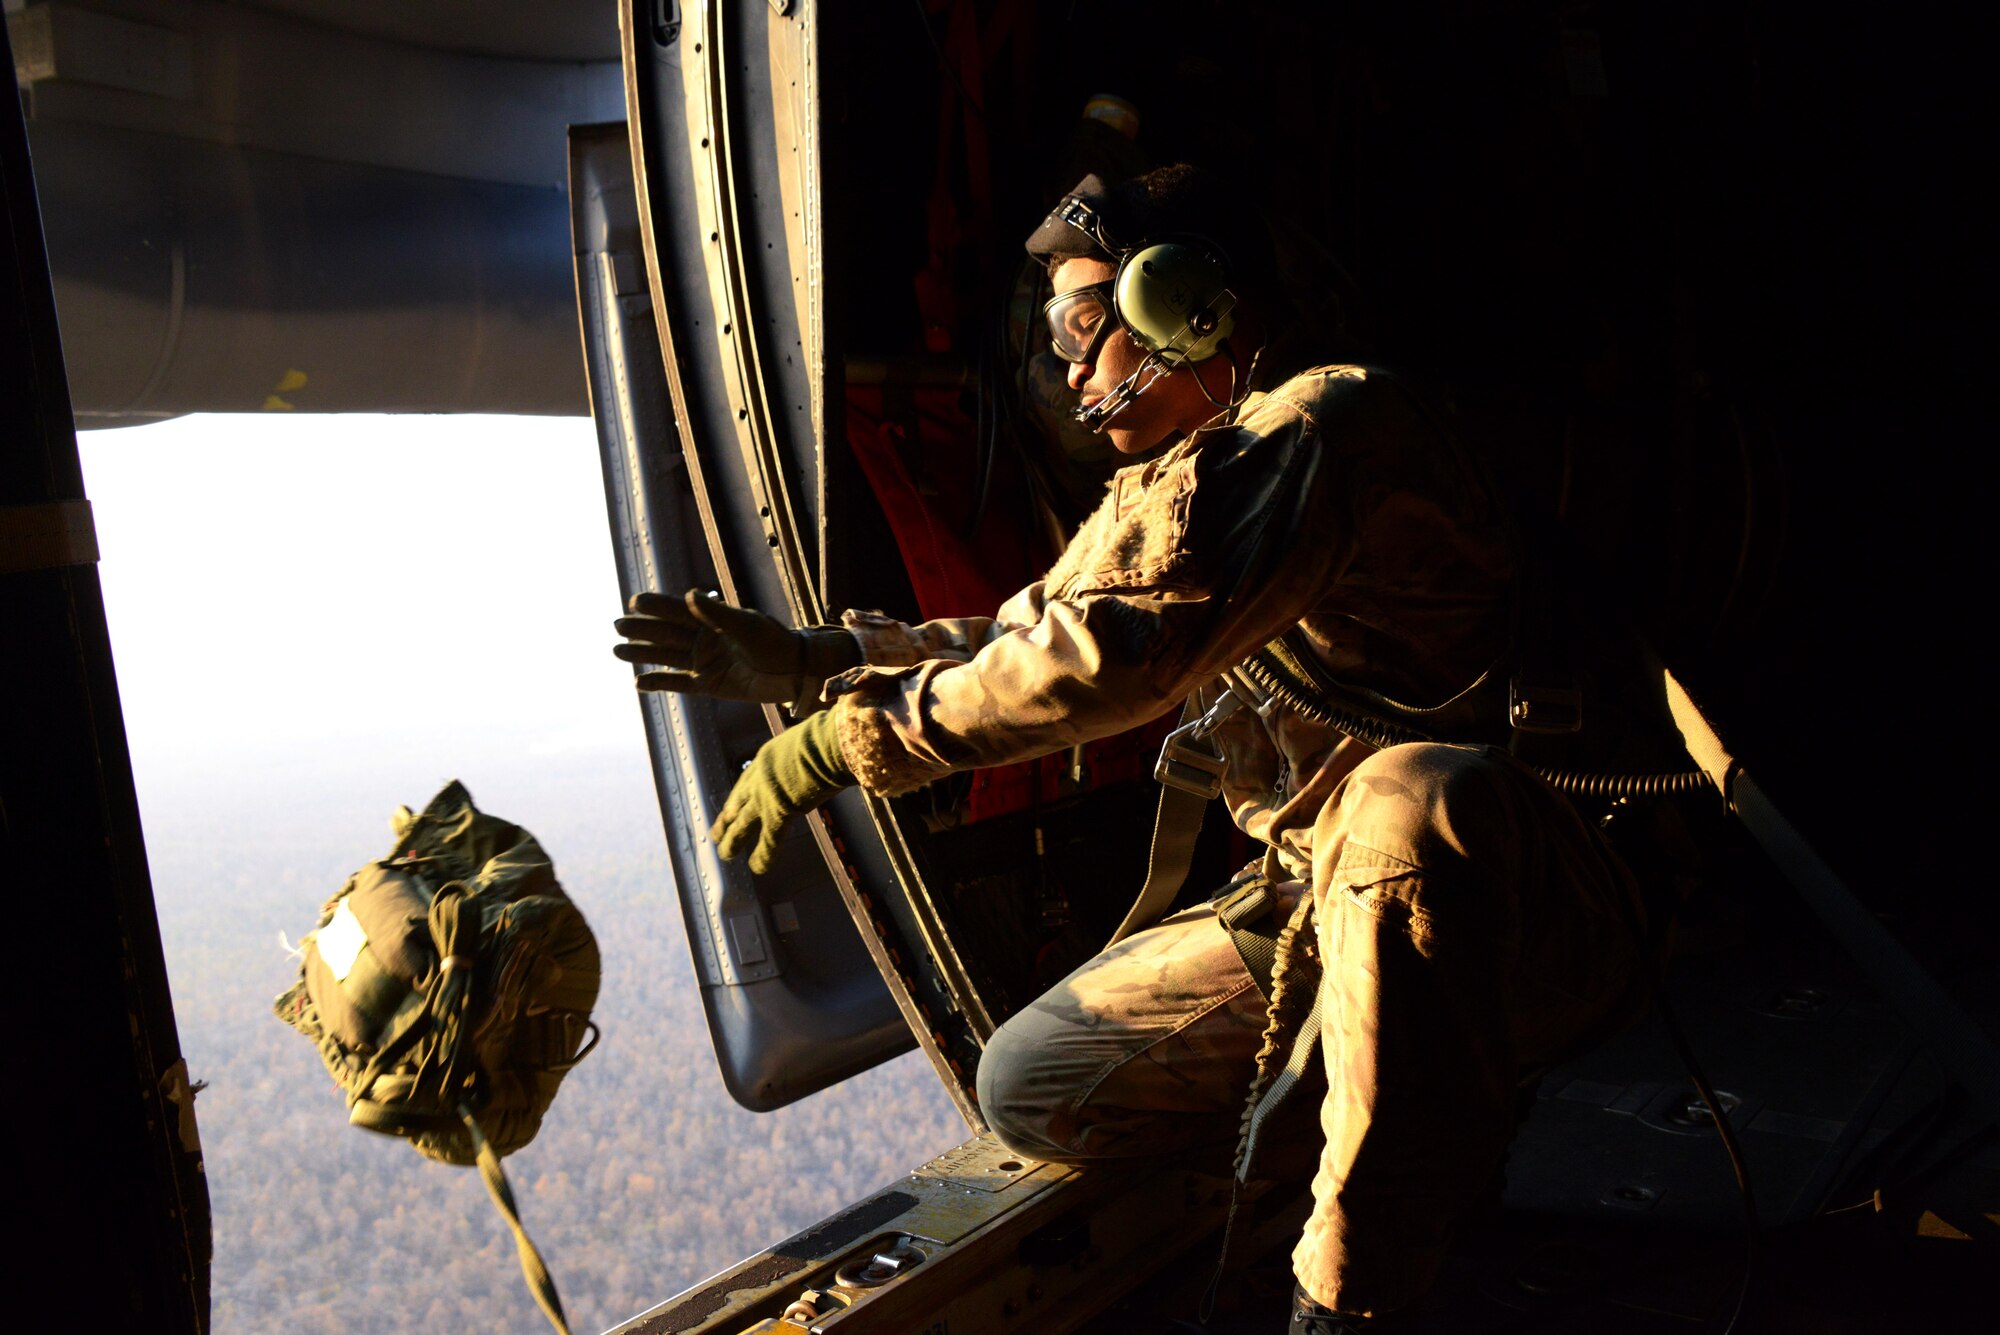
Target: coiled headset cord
{"points": [[1382, 733], [1650, 951]]}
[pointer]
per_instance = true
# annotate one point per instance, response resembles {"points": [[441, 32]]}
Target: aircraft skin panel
{"points": [[249, 211], [230, 75], [196, 277], [530, 29], [792, 999], [713, 100]]}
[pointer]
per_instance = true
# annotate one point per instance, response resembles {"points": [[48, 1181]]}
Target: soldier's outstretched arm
{"points": [[699, 644], [793, 773]]}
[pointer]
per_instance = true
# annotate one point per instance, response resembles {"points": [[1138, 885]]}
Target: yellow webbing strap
{"points": [[532, 1267], [46, 536]]}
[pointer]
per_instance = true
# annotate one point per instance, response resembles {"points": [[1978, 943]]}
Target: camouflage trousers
{"points": [[1473, 929]]}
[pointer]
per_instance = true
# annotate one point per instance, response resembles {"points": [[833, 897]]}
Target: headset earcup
{"points": [[1173, 297]]}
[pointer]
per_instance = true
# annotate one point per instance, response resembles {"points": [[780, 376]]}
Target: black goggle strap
{"points": [[1077, 212]]}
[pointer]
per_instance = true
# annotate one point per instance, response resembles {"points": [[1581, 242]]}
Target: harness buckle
{"points": [[1553, 709], [1242, 904], [1186, 761]]}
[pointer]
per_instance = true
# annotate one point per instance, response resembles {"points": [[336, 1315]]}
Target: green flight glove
{"points": [[791, 774], [708, 647]]}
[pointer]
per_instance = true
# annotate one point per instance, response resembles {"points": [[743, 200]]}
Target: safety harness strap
{"points": [[1243, 908], [1298, 1065], [1176, 827]]}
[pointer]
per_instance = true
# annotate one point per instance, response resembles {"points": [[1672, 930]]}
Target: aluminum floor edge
{"points": [[976, 1241]]}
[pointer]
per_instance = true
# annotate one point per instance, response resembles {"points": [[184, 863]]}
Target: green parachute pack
{"points": [[448, 989]]}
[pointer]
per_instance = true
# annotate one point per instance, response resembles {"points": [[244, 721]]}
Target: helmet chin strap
{"points": [[1098, 415]]}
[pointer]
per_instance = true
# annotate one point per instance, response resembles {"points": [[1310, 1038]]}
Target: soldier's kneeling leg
{"points": [[1473, 928], [1145, 1051]]}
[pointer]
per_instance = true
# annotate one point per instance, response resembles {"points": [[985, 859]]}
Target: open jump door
{"points": [[104, 1159], [700, 286]]}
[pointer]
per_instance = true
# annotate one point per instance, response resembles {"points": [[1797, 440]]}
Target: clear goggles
{"points": [[1080, 320]]}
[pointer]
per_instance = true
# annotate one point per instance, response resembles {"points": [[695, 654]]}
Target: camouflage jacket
{"points": [[1334, 503]]}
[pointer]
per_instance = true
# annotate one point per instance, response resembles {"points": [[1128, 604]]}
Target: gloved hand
{"points": [[799, 769], [731, 653]]}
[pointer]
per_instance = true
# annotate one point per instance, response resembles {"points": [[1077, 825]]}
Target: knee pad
{"points": [[1006, 1092], [1433, 806], [1425, 771]]}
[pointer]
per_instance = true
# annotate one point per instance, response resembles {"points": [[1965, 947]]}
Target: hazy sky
{"points": [[314, 619], [310, 588]]}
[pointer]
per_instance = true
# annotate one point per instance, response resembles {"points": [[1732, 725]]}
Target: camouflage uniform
{"points": [[1472, 926]]}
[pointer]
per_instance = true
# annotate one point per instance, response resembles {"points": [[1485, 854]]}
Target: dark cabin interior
{"points": [[1693, 281]]}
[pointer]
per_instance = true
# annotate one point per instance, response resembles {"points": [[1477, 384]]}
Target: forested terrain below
{"points": [[646, 1176]]}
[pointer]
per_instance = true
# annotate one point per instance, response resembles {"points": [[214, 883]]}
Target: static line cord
{"points": [[1753, 1231]]}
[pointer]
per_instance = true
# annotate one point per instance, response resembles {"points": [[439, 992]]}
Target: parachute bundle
{"points": [[448, 988]]}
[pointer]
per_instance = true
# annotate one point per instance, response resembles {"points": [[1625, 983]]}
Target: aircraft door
{"points": [[724, 107], [793, 1000]]}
